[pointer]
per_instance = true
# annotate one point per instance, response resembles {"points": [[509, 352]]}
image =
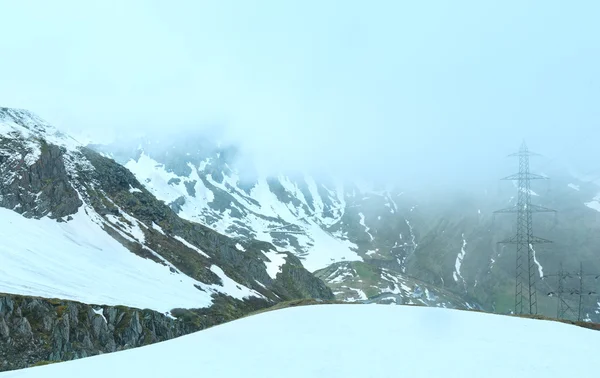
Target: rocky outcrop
{"points": [[35, 188], [35, 331]]}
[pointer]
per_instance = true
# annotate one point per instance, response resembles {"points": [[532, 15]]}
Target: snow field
{"points": [[312, 341]]}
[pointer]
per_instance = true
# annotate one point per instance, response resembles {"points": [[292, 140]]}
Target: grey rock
{"points": [[23, 328], [60, 330], [4, 330]]}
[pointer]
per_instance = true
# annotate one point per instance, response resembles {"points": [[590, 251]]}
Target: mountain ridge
{"points": [[80, 227], [448, 241]]}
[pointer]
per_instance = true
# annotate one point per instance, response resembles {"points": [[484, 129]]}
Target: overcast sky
{"points": [[407, 89]]}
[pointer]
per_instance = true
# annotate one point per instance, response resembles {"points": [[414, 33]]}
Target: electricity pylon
{"points": [[582, 292], [525, 275]]}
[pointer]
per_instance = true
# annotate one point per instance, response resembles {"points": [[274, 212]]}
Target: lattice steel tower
{"points": [[525, 289]]}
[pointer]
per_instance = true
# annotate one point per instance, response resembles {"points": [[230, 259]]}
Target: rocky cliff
{"points": [[36, 331]]}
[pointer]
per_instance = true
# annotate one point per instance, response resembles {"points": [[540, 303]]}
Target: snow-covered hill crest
{"points": [[432, 341]]}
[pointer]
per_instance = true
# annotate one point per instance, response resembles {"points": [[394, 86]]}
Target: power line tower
{"points": [[562, 307], [525, 275], [582, 291]]}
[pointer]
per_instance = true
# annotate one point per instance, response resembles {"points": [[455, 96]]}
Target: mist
{"points": [[429, 94]]}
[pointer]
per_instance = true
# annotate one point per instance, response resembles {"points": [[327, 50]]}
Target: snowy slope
{"points": [[293, 215], [77, 260], [76, 225], [320, 221], [398, 341]]}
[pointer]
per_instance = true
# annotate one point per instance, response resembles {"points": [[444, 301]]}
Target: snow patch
{"points": [[594, 203], [130, 226], [233, 288], [158, 228], [100, 312], [537, 263], [274, 266], [362, 222], [78, 260], [459, 259], [190, 245]]}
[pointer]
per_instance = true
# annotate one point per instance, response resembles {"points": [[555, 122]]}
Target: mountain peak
{"points": [[29, 125]]}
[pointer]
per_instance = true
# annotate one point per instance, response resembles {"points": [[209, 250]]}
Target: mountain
{"points": [[371, 242], [77, 226], [320, 341], [323, 222]]}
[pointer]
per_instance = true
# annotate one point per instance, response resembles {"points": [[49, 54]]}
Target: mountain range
{"points": [[380, 243], [150, 238], [78, 226]]}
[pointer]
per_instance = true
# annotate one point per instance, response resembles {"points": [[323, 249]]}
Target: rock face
{"points": [[37, 331], [38, 189]]}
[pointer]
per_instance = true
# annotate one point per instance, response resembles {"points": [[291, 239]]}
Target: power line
{"points": [[525, 273], [582, 291]]}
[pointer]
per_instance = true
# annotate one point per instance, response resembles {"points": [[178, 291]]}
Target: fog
{"points": [[435, 93]]}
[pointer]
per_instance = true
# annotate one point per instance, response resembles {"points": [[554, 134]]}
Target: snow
{"points": [[392, 202], [341, 274], [573, 186], [362, 223], [261, 284], [78, 260], [132, 228], [240, 247], [146, 168], [594, 203], [317, 339], [275, 264], [537, 263], [157, 228], [361, 296], [413, 244], [233, 288], [101, 313], [260, 210], [459, 259], [314, 193], [134, 190], [326, 248], [190, 245]]}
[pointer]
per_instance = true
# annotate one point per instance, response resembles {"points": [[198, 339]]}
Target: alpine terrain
{"points": [[92, 262], [378, 244], [319, 342]]}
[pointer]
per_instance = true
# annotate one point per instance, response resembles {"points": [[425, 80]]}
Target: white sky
{"points": [[387, 88]]}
